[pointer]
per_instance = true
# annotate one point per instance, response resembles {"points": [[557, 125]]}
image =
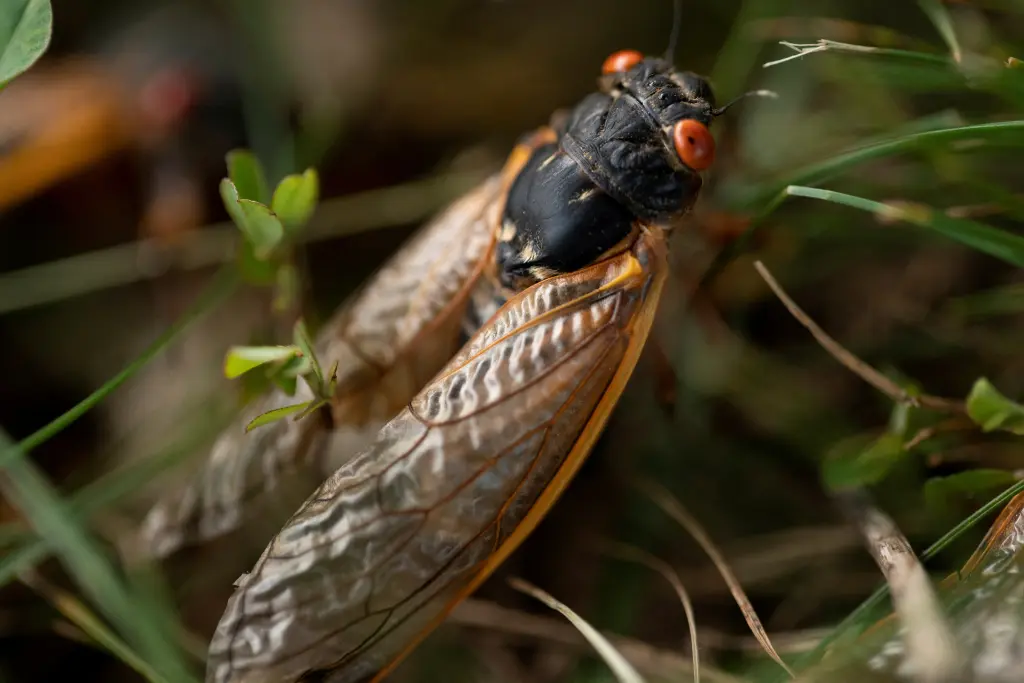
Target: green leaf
{"points": [[229, 194], [861, 461], [296, 366], [241, 359], [247, 174], [303, 341], [312, 406], [25, 30], [276, 414], [286, 376], [295, 199], [261, 227], [939, 491], [991, 410], [992, 241], [285, 383]]}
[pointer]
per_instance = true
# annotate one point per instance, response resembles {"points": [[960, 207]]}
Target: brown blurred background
{"points": [[733, 406]]}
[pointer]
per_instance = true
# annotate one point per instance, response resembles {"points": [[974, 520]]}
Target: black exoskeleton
{"points": [[631, 152]]}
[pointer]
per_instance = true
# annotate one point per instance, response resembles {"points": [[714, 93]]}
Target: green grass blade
{"points": [[1002, 133], [21, 559], [48, 513], [24, 550], [1004, 300], [986, 239], [939, 15], [222, 287]]}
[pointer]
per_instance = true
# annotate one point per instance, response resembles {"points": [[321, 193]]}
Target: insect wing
{"points": [[1005, 539], [380, 553], [392, 337]]}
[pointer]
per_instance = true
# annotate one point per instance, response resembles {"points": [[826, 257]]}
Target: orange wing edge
{"points": [[640, 330]]}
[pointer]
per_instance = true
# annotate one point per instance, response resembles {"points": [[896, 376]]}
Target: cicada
{"points": [[479, 365]]}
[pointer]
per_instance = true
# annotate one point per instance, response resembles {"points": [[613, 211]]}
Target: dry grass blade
{"points": [[826, 45], [822, 45], [674, 509], [633, 554], [648, 659], [654, 662], [852, 362], [623, 670], [90, 625], [930, 645]]}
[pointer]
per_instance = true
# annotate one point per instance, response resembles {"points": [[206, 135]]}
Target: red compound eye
{"points": [[694, 144], [620, 61]]}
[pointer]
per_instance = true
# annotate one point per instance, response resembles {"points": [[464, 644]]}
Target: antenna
{"points": [[673, 40], [753, 93]]}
